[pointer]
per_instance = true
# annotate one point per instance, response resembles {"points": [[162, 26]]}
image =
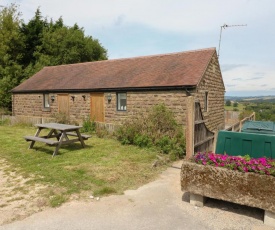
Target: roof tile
{"points": [[167, 70]]}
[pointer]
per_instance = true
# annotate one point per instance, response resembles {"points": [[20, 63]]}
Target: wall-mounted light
{"points": [[52, 98], [84, 97], [109, 97], [73, 97]]}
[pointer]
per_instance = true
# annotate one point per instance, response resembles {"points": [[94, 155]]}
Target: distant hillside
{"points": [[252, 98]]}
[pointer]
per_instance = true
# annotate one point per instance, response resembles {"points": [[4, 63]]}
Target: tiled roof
{"points": [[168, 70]]}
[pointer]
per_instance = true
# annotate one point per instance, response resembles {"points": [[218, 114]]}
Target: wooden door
{"points": [[97, 107], [63, 104]]}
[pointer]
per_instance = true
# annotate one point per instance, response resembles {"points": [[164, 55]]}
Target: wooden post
{"points": [[190, 124], [215, 141]]}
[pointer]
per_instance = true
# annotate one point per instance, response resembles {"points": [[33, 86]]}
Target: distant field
{"points": [[231, 108]]}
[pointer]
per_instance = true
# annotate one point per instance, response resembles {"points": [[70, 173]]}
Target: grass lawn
{"points": [[231, 108], [103, 167]]}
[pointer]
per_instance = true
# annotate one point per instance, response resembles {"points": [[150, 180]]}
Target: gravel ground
{"points": [[222, 215]]}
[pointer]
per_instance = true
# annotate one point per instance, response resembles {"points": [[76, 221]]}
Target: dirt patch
{"points": [[19, 198]]}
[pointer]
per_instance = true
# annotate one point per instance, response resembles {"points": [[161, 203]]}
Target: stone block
{"points": [[249, 189], [269, 218], [197, 200]]}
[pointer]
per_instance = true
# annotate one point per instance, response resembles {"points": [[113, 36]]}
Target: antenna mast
{"points": [[223, 27]]}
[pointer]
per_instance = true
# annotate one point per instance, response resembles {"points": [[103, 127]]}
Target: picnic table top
{"points": [[58, 126]]}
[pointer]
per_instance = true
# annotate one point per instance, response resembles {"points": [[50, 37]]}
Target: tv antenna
{"points": [[223, 27]]}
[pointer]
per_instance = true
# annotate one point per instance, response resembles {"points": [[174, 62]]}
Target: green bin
{"points": [[241, 143], [260, 127]]}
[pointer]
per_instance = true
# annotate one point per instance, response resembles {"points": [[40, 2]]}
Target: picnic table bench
{"points": [[60, 132]]}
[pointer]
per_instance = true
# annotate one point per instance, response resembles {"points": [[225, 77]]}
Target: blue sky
{"points": [[129, 28]]}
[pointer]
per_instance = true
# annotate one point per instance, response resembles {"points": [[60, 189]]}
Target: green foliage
{"points": [[142, 141], [158, 127], [265, 111], [57, 200], [88, 126], [235, 104], [101, 131], [245, 113], [104, 191], [25, 48], [5, 122], [4, 111], [11, 45], [228, 103]]}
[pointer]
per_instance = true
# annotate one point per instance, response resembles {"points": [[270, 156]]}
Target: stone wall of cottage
{"points": [[141, 102], [31, 105], [212, 83]]}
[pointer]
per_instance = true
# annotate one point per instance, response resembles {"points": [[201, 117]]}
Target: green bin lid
{"points": [[261, 127]]}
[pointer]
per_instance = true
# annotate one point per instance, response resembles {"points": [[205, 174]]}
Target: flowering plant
{"points": [[243, 164]]}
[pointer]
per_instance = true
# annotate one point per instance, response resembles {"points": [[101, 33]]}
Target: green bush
{"points": [[158, 127], [88, 126], [142, 141], [101, 131], [4, 111]]}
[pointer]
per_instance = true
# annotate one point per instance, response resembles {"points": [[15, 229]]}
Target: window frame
{"points": [[206, 100], [46, 105], [118, 106]]}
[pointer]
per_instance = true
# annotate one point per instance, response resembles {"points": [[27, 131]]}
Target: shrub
{"points": [[245, 113], [101, 131], [88, 126], [142, 141], [4, 111], [62, 118], [158, 127]]}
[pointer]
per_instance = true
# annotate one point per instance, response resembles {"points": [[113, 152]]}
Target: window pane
{"points": [[46, 101], [121, 101]]}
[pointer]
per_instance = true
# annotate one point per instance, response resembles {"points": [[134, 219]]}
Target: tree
{"points": [[60, 44], [66, 45], [235, 104], [11, 47], [25, 48], [228, 103], [32, 33]]}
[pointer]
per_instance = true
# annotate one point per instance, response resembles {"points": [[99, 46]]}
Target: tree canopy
{"points": [[25, 48]]}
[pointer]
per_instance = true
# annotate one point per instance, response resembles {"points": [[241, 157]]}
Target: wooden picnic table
{"points": [[60, 133]]}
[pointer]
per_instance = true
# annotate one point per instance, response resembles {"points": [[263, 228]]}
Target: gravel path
{"points": [[18, 199], [157, 205]]}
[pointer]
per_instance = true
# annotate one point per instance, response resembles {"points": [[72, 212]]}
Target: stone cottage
{"points": [[111, 91]]}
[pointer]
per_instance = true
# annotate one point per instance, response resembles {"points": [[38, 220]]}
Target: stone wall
{"points": [[31, 105], [140, 102], [212, 83]]}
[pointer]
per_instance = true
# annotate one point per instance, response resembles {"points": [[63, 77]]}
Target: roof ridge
{"points": [[138, 57]]}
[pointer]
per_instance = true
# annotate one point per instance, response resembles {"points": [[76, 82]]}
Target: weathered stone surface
{"points": [[249, 189]]}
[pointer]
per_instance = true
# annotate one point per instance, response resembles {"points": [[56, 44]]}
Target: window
{"points": [[206, 101], [46, 100], [121, 101]]}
